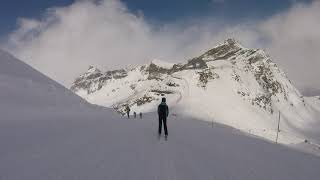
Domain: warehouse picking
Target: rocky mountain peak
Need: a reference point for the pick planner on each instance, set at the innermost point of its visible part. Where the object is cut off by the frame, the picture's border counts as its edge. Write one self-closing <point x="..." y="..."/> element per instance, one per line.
<point x="222" y="51"/>
<point x="257" y="79"/>
<point x="91" y="73"/>
<point x="232" y="42"/>
<point x="155" y="68"/>
<point x="161" y="64"/>
<point x="93" y="69"/>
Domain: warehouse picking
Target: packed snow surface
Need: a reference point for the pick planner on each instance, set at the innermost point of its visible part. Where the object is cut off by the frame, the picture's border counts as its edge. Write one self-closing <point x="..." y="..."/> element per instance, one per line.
<point x="99" y="145"/>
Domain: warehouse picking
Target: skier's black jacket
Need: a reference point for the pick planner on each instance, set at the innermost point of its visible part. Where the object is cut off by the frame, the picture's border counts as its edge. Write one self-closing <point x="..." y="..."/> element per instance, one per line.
<point x="163" y="110"/>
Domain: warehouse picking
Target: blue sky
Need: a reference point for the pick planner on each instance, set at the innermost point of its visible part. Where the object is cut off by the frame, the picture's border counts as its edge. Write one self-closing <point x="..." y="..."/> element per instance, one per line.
<point x="10" y="10"/>
<point x="156" y="11"/>
<point x="168" y="10"/>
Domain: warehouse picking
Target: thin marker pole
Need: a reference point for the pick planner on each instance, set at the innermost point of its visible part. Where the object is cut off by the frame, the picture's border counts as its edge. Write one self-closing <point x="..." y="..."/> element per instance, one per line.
<point x="278" y="128"/>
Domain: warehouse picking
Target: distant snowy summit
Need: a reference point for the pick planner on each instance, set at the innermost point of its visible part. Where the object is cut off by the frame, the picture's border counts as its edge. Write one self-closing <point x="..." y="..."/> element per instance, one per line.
<point x="229" y="84"/>
<point x="255" y="78"/>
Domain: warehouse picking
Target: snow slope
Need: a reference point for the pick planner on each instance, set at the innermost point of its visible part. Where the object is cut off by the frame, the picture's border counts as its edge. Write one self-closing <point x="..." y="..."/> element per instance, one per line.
<point x="229" y="84"/>
<point x="100" y="146"/>
<point x="23" y="86"/>
<point x="70" y="139"/>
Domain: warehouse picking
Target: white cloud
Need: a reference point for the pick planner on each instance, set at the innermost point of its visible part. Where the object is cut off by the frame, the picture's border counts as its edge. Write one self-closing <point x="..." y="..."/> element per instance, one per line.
<point x="105" y="34"/>
<point x="295" y="43"/>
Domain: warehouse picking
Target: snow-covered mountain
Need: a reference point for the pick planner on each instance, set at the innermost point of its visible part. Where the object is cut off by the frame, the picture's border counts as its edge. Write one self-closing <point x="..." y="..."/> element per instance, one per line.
<point x="229" y="84"/>
<point x="47" y="132"/>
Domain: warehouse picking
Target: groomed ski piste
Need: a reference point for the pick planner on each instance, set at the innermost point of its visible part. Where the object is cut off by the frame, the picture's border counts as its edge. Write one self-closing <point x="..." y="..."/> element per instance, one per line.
<point x="47" y="132"/>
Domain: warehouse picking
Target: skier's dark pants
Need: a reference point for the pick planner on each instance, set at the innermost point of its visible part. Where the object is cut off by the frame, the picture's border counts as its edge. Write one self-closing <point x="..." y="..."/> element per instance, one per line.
<point x="163" y="119"/>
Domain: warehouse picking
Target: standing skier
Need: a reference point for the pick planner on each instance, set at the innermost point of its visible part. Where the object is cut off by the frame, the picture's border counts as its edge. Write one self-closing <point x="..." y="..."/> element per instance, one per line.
<point x="128" y="111"/>
<point x="134" y="114"/>
<point x="163" y="112"/>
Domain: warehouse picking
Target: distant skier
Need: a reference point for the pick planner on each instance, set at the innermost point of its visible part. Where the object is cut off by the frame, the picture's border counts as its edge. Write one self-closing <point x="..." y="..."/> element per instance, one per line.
<point x="134" y="114"/>
<point x="163" y="112"/>
<point x="140" y="115"/>
<point x="128" y="111"/>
